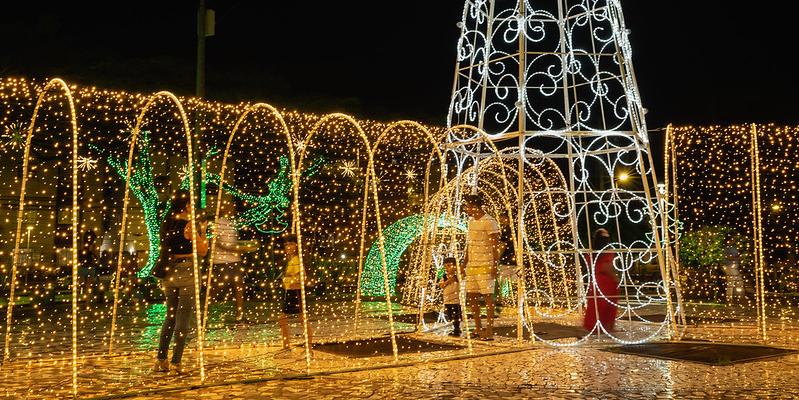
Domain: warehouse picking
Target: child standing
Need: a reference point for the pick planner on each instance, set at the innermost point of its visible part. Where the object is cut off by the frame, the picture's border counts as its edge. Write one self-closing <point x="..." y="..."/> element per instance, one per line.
<point x="451" y="286"/>
<point x="292" y="304"/>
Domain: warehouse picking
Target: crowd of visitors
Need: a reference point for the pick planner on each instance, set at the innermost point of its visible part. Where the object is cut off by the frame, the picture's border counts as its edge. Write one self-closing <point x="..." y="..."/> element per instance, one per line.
<point x="489" y="251"/>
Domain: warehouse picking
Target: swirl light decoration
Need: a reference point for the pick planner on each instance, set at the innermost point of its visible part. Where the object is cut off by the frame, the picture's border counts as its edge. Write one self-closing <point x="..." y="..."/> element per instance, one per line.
<point x="553" y="80"/>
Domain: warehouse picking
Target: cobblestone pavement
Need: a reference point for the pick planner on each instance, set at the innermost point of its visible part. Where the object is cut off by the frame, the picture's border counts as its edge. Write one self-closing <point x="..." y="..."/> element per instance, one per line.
<point x="42" y="368"/>
<point x="539" y="373"/>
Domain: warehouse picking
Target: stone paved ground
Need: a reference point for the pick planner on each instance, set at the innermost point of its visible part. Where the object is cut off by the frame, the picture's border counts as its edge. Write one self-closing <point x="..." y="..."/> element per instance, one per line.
<point x="42" y="369"/>
<point x="545" y="373"/>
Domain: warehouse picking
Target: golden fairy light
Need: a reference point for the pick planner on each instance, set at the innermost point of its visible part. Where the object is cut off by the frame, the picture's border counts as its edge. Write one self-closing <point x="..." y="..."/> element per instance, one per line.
<point x="723" y="181"/>
<point x="119" y="121"/>
<point x="344" y="186"/>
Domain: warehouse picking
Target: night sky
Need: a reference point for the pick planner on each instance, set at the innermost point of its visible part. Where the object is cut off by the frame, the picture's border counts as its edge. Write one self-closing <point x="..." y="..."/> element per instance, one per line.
<point x="697" y="61"/>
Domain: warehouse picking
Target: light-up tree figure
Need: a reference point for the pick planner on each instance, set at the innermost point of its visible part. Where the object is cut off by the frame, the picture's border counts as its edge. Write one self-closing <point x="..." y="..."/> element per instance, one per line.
<point x="552" y="81"/>
<point x="142" y="185"/>
<point x="267" y="213"/>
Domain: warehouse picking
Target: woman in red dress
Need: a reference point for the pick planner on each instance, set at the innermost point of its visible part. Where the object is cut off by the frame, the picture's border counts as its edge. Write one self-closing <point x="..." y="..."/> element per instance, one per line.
<point x="604" y="285"/>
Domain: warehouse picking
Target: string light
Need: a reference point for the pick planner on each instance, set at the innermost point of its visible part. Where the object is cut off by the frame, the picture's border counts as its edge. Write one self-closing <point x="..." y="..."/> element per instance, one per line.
<point x="314" y="175"/>
<point x="261" y="180"/>
<point x="399" y="236"/>
<point x="722" y="183"/>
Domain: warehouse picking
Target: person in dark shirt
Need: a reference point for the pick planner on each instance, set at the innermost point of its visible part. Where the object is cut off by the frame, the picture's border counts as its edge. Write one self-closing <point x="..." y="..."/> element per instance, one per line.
<point x="178" y="283"/>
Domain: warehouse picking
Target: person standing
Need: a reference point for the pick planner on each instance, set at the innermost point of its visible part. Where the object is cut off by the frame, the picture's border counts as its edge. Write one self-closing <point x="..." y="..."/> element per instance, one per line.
<point x="87" y="265"/>
<point x="292" y="302"/>
<point x="604" y="288"/>
<point x="450" y="284"/>
<point x="227" y="258"/>
<point x="481" y="263"/>
<point x="178" y="282"/>
<point x="735" y="283"/>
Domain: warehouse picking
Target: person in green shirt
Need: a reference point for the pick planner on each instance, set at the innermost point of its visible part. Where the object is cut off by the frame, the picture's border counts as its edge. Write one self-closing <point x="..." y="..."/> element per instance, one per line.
<point x="292" y="303"/>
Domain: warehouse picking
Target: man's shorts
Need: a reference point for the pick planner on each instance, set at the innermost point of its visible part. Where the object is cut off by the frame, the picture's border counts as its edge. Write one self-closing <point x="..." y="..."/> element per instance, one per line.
<point x="291" y="303"/>
<point x="483" y="284"/>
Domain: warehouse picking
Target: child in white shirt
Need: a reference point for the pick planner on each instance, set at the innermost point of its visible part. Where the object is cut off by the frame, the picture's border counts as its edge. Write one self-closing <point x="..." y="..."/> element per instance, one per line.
<point x="451" y="286"/>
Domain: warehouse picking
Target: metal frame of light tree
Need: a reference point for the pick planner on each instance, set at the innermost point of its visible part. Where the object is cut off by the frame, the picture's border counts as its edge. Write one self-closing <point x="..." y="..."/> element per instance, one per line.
<point x="504" y="86"/>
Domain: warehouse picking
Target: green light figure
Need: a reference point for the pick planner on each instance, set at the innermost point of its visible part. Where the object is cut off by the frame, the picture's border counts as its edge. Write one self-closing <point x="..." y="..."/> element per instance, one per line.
<point x="266" y="211"/>
<point x="142" y="185"/>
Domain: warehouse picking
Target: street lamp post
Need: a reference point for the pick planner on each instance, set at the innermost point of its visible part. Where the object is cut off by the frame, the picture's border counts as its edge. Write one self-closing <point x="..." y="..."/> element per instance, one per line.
<point x="205" y="28"/>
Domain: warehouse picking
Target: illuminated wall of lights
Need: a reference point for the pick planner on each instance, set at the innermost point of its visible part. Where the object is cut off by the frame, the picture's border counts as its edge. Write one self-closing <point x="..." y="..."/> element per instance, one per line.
<point x="712" y="182"/>
<point x="338" y="157"/>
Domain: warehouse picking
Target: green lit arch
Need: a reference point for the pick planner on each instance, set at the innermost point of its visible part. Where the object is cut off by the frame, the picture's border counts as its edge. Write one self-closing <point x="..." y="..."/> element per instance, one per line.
<point x="398" y="237"/>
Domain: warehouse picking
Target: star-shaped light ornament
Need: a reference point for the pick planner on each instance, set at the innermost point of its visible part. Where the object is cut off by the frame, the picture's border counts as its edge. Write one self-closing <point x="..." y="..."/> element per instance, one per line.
<point x="86" y="163"/>
<point x="410" y="174"/>
<point x="14" y="136"/>
<point x="348" y="169"/>
<point x="130" y="131"/>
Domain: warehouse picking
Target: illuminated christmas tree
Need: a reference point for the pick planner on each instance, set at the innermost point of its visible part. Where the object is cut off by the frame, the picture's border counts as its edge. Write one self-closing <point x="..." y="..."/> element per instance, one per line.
<point x="551" y="84"/>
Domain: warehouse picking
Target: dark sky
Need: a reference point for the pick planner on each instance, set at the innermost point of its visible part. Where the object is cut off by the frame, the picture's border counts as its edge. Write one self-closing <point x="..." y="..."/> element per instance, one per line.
<point x="697" y="61"/>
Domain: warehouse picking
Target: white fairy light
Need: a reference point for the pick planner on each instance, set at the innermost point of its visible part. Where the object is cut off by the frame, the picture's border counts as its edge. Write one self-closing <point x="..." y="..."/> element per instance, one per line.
<point x="347" y="168"/>
<point x="86" y="163"/>
<point x="522" y="71"/>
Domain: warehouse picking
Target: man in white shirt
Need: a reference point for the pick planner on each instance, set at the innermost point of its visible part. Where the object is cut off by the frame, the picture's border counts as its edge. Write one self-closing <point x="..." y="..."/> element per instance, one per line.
<point x="481" y="262"/>
<point x="227" y="261"/>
